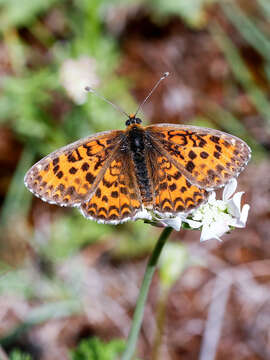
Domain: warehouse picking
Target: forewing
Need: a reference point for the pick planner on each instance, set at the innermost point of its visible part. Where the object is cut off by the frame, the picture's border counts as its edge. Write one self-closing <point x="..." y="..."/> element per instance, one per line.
<point x="173" y="192"/>
<point x="207" y="158"/>
<point x="117" y="197"/>
<point x="70" y="175"/>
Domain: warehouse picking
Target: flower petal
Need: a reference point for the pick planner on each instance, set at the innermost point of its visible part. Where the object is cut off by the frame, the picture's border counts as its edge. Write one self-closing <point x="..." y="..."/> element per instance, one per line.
<point x="175" y="222"/>
<point x="241" y="222"/>
<point x="229" y="189"/>
<point x="212" y="198"/>
<point x="193" y="223"/>
<point x="207" y="234"/>
<point x="234" y="204"/>
<point x="244" y="214"/>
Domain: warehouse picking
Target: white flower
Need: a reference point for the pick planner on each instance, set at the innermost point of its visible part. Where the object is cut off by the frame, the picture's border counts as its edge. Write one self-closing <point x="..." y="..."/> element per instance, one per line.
<point x="217" y="217"/>
<point x="75" y="75"/>
<point x="214" y="218"/>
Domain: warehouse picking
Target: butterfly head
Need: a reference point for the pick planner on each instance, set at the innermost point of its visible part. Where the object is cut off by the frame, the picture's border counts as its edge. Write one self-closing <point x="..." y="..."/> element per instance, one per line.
<point x="132" y="119"/>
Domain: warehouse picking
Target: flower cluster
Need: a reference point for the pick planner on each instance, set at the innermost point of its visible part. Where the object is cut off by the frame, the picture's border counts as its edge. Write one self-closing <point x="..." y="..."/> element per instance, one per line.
<point x="214" y="218"/>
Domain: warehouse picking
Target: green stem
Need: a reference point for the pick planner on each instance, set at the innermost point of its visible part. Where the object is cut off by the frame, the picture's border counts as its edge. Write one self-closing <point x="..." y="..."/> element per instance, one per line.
<point x="138" y="315"/>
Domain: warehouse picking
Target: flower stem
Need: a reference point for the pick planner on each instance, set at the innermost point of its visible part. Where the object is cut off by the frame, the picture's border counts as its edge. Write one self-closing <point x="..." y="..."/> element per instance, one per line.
<point x="138" y="315"/>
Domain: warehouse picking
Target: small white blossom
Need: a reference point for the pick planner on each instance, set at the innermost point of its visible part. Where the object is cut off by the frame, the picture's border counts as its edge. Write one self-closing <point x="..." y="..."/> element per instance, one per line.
<point x="214" y="218"/>
<point x="75" y="75"/>
<point x="217" y="217"/>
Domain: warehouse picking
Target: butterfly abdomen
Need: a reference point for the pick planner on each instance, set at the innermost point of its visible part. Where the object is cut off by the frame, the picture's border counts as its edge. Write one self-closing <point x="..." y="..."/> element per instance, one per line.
<point x="136" y="139"/>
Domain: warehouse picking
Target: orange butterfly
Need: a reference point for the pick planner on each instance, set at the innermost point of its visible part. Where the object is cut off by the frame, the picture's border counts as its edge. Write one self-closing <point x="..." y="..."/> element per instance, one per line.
<point x="120" y="175"/>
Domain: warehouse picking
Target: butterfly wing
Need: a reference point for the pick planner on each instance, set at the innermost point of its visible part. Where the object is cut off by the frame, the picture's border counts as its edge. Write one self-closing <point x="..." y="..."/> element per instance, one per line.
<point x="173" y="192"/>
<point x="70" y="175"/>
<point x="117" y="198"/>
<point x="207" y="158"/>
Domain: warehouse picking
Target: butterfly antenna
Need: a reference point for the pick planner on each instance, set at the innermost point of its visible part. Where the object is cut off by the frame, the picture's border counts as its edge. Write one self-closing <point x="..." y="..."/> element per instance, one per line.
<point x="151" y="92"/>
<point x="117" y="107"/>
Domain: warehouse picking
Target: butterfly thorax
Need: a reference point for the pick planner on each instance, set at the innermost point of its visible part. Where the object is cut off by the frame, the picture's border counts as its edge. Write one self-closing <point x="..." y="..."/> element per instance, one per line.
<point x="137" y="146"/>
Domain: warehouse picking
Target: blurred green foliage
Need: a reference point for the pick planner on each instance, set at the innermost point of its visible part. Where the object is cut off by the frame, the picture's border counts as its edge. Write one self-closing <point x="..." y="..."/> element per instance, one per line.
<point x="193" y="12"/>
<point x="96" y="349"/>
<point x="22" y="13"/>
<point x="18" y="355"/>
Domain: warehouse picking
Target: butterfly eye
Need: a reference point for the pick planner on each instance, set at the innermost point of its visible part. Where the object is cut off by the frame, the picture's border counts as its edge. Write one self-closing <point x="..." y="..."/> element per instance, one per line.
<point x="138" y="121"/>
<point x="128" y="122"/>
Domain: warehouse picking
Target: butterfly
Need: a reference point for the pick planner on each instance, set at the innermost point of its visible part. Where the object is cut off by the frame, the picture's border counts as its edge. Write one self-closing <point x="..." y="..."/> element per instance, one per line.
<point x="120" y="175"/>
<point x="114" y="176"/>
